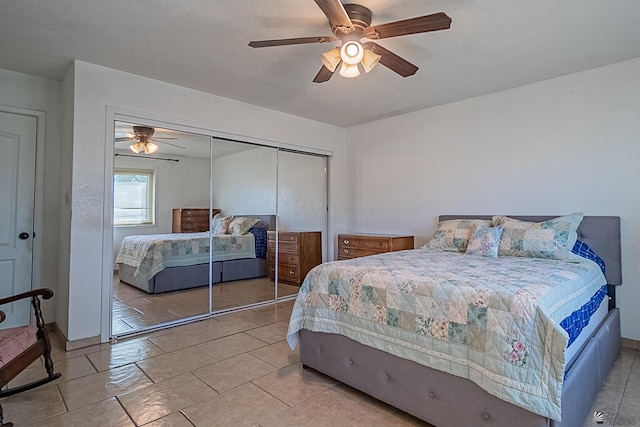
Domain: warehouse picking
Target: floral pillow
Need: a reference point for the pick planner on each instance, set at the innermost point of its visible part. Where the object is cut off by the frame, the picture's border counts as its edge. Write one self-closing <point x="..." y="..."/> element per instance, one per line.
<point x="548" y="239"/>
<point x="484" y="240"/>
<point x="454" y="234"/>
<point x="242" y="224"/>
<point x="220" y="224"/>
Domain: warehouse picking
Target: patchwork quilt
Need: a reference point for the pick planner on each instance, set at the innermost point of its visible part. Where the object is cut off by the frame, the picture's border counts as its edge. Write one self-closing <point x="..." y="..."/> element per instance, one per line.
<point x="151" y="254"/>
<point x="495" y="321"/>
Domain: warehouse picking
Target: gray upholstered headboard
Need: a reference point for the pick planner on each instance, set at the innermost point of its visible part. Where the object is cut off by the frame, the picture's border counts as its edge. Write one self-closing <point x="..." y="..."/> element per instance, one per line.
<point x="601" y="233"/>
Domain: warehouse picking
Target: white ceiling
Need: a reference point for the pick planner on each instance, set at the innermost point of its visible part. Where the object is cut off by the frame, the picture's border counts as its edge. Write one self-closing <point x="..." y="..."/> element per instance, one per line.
<point x="202" y="44"/>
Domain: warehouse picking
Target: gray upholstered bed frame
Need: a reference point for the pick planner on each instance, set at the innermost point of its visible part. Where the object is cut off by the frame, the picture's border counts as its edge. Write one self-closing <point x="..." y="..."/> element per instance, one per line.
<point x="192" y="276"/>
<point x="446" y="400"/>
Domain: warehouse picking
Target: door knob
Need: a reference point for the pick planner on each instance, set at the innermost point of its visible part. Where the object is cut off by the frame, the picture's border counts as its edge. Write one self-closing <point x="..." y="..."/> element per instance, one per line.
<point x="23" y="236"/>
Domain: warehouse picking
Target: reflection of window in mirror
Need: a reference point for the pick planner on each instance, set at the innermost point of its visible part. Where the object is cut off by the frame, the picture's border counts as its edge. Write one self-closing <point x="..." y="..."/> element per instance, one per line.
<point x="133" y="197"/>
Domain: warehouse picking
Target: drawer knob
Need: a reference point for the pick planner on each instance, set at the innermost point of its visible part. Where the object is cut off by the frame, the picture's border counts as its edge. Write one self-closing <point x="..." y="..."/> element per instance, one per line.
<point x="291" y="272"/>
<point x="346" y="251"/>
<point x="346" y="241"/>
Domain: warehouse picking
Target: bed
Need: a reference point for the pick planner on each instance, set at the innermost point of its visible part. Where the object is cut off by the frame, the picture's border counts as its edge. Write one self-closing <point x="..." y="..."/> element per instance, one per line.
<point x="170" y="262"/>
<point x="459" y="391"/>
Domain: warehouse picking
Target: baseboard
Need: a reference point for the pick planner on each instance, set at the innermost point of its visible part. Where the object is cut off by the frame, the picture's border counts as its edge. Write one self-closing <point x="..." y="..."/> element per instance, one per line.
<point x="71" y="345"/>
<point x="632" y="344"/>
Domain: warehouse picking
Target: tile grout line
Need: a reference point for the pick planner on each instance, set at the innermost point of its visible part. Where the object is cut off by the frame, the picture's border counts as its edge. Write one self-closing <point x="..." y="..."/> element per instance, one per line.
<point x="626" y="383"/>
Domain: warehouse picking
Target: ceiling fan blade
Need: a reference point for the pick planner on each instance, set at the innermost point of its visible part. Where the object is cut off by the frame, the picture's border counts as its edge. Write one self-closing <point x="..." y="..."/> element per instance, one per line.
<point x="169" y="143"/>
<point x="284" y="42"/>
<point x="124" y="138"/>
<point x="421" y="24"/>
<point x="323" y="75"/>
<point x="392" y="61"/>
<point x="334" y="10"/>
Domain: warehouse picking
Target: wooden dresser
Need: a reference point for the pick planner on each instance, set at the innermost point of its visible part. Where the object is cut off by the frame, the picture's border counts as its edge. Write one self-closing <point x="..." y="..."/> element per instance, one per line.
<point x="191" y="220"/>
<point x="298" y="252"/>
<point x="357" y="245"/>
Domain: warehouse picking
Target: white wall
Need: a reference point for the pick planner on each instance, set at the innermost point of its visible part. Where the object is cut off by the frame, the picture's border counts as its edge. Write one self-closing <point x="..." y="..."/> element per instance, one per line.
<point x="37" y="94"/>
<point x="244" y="183"/>
<point x="302" y="192"/>
<point x="559" y="146"/>
<point x="96" y="88"/>
<point x="182" y="184"/>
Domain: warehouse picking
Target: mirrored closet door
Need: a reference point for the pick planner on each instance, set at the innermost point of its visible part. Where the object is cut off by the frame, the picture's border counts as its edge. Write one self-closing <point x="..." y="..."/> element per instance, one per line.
<point x="161" y="194"/>
<point x="203" y="225"/>
<point x="244" y="190"/>
<point x="302" y="219"/>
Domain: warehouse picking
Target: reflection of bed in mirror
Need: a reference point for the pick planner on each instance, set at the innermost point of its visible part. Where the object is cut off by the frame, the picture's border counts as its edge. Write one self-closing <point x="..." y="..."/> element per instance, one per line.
<point x="170" y="262"/>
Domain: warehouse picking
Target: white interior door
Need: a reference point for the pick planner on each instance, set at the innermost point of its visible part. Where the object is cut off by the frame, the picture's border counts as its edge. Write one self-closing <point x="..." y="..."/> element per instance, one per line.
<point x="17" y="187"/>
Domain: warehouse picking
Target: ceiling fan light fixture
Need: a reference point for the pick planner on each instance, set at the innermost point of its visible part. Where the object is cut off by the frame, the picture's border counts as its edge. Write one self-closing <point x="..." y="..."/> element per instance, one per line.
<point x="136" y="147"/>
<point x="150" y="148"/>
<point x="352" y="51"/>
<point x="331" y="59"/>
<point x="349" y="71"/>
<point x="369" y="60"/>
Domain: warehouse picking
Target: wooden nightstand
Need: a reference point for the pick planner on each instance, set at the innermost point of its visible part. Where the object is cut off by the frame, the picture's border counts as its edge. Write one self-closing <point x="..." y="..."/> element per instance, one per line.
<point x="357" y="245"/>
<point x="298" y="252"/>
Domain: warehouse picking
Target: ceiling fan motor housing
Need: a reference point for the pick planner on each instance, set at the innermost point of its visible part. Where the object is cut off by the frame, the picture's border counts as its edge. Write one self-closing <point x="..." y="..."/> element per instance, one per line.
<point x="143" y="133"/>
<point x="360" y="18"/>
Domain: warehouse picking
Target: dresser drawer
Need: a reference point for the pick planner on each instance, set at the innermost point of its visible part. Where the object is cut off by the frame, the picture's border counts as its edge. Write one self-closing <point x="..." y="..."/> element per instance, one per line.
<point x="284" y="246"/>
<point x="347" y="253"/>
<point x="287" y="274"/>
<point x="284" y="258"/>
<point x="358" y="245"/>
<point x="375" y="243"/>
<point x="283" y="237"/>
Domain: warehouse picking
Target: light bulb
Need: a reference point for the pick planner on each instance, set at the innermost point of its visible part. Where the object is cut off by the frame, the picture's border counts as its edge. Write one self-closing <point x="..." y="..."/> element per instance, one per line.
<point x="150" y="148"/>
<point x="349" y="71"/>
<point x="351" y="52"/>
<point x="136" y="147"/>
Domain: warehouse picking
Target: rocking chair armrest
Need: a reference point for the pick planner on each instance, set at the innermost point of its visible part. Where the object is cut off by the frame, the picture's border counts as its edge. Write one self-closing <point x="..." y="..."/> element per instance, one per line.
<point x="45" y="293"/>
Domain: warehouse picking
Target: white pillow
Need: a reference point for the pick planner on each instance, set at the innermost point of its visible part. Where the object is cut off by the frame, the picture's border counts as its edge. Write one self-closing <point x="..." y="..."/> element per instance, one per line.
<point x="242" y="224"/>
<point x="548" y="239"/>
<point x="220" y="224"/>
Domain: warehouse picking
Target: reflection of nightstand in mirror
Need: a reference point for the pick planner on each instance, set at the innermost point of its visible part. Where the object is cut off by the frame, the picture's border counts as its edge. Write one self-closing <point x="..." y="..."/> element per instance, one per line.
<point x="191" y="220"/>
<point x="357" y="245"/>
<point x="298" y="252"/>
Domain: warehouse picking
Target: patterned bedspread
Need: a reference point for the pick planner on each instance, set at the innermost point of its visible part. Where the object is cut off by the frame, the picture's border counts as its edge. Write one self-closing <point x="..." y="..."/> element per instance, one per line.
<point x="151" y="254"/>
<point x="493" y="321"/>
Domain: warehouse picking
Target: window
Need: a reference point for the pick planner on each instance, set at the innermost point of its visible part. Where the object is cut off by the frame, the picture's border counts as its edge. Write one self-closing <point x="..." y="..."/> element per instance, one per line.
<point x="133" y="197"/>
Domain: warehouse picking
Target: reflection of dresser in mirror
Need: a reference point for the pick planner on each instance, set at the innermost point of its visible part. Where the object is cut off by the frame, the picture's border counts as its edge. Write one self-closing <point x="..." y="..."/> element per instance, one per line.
<point x="191" y="220"/>
<point x="298" y="252"/>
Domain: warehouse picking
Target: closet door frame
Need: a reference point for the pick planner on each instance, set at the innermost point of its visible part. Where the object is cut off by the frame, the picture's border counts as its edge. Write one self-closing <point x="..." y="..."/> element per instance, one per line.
<point x="114" y="114"/>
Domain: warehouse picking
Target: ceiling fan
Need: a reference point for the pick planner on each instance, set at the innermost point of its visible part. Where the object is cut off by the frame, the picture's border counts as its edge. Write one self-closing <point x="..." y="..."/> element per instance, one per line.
<point x="350" y="23"/>
<point x="142" y="137"/>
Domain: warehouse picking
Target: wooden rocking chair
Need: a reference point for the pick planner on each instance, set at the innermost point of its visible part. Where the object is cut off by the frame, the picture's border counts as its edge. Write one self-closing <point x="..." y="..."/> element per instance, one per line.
<point x="21" y="346"/>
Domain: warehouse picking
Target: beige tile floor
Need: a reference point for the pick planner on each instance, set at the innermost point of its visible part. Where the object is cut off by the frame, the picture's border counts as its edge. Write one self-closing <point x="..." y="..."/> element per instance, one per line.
<point x="134" y="309"/>
<point x="232" y="370"/>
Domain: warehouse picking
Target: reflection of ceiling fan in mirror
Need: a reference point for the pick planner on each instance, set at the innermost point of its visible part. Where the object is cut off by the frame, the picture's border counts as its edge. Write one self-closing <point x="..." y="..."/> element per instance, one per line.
<point x="142" y="140"/>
